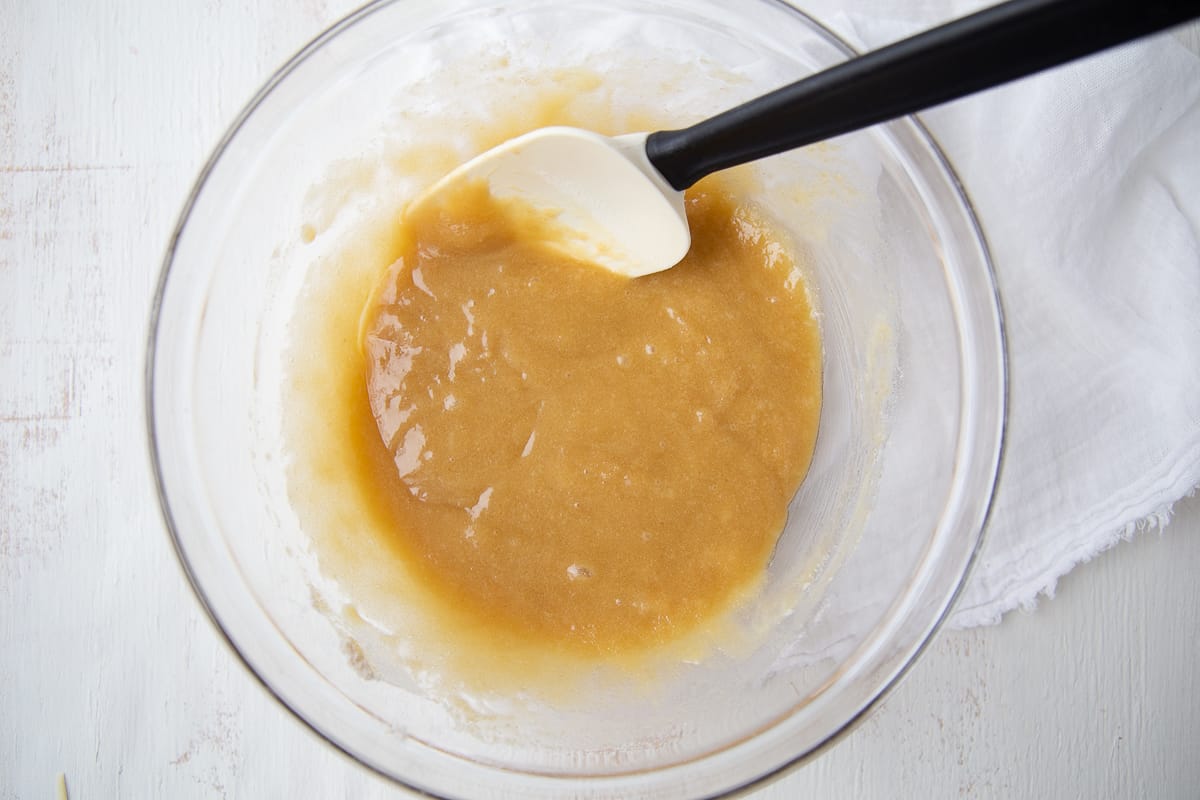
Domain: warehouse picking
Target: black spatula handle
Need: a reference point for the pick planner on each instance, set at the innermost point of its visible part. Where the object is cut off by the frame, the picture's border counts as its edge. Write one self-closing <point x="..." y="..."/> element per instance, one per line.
<point x="986" y="49"/>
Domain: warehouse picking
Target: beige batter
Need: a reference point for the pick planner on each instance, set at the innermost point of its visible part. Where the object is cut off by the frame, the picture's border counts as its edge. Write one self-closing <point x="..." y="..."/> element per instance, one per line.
<point x="596" y="462"/>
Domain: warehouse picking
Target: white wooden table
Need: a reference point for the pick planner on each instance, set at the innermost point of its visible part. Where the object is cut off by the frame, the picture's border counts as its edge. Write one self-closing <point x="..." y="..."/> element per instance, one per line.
<point x="111" y="673"/>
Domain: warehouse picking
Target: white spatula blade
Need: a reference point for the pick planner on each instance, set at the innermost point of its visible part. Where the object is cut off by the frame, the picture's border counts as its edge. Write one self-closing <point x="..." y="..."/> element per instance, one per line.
<point x="613" y="206"/>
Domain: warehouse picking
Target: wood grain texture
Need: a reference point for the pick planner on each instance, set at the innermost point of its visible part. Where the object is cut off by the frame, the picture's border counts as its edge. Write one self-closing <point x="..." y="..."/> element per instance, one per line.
<point x="112" y="674"/>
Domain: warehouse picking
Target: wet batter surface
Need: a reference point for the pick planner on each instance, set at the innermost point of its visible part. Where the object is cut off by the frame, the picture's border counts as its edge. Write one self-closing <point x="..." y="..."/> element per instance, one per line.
<point x="597" y="462"/>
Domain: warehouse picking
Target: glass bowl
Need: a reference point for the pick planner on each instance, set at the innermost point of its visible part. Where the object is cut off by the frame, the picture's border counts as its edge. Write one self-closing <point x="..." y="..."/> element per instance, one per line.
<point x="879" y="537"/>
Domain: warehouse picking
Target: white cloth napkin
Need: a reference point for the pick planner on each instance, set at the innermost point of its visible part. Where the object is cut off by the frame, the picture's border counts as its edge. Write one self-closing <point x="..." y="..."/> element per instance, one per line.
<point x="1087" y="183"/>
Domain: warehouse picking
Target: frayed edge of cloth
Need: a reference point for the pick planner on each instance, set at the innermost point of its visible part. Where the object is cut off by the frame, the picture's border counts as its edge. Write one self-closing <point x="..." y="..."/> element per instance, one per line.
<point x="1028" y="599"/>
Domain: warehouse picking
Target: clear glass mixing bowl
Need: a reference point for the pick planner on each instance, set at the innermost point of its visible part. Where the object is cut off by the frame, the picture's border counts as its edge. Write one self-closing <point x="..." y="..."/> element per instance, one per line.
<point x="879" y="537"/>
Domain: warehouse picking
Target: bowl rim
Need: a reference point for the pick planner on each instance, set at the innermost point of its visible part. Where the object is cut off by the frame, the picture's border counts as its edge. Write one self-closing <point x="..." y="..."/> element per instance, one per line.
<point x="152" y="438"/>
